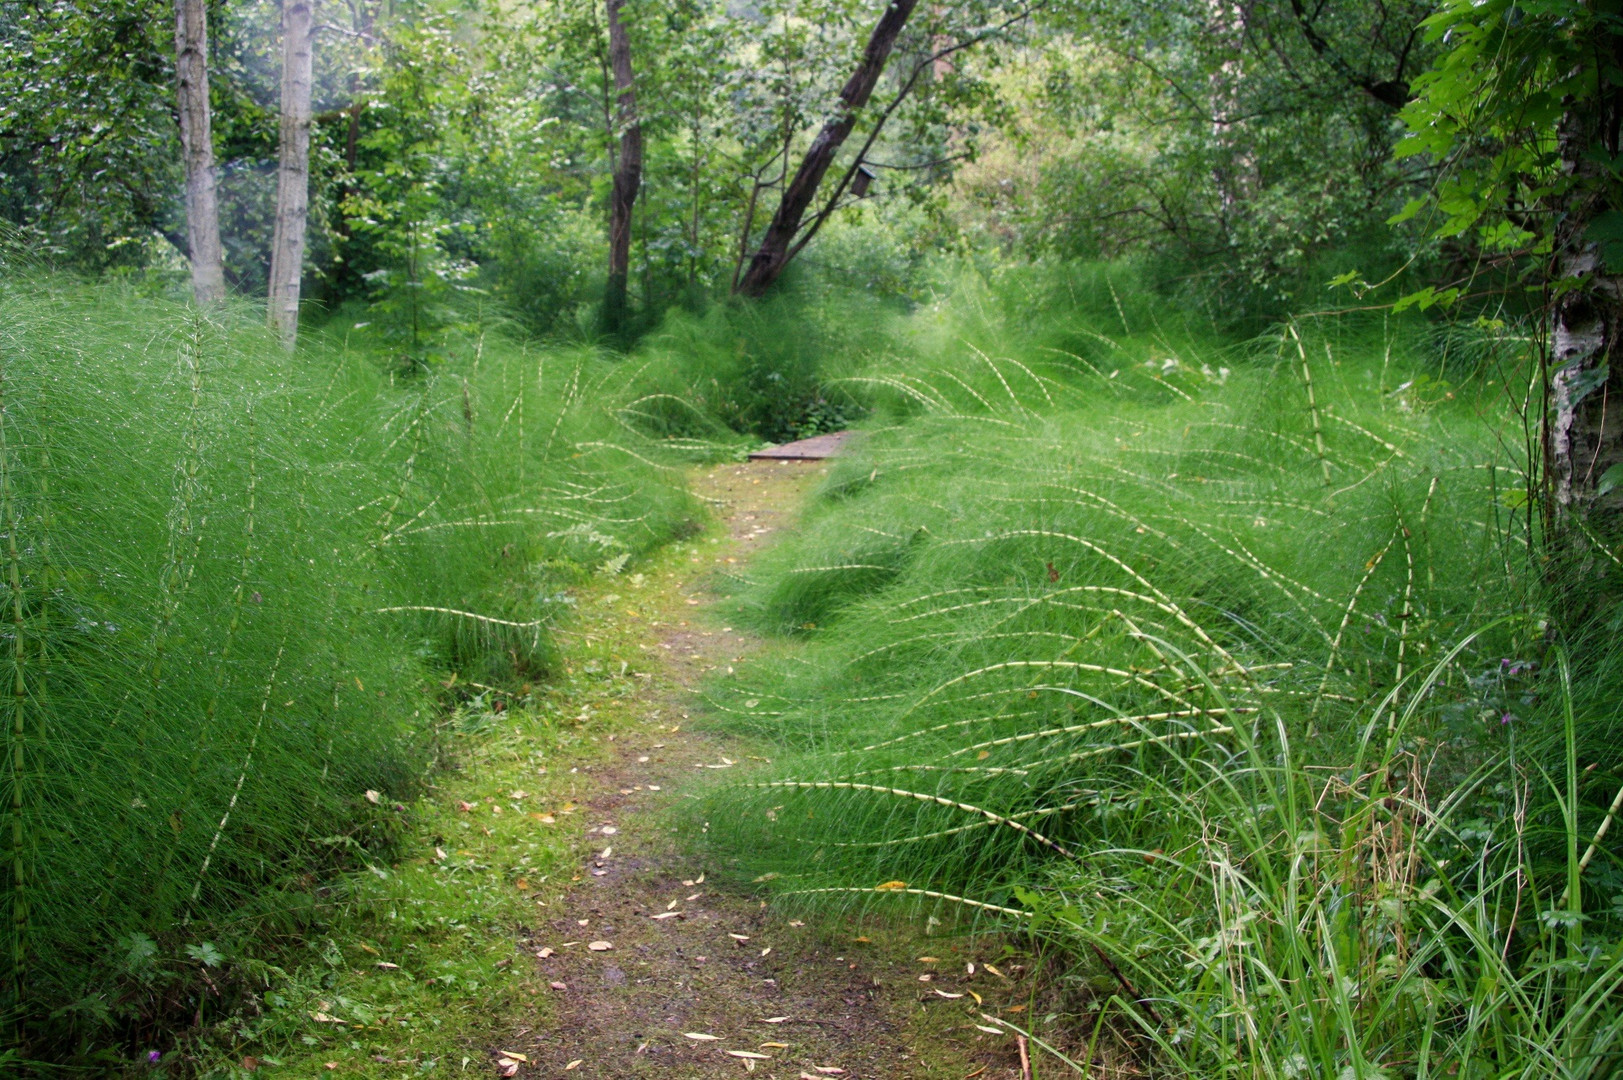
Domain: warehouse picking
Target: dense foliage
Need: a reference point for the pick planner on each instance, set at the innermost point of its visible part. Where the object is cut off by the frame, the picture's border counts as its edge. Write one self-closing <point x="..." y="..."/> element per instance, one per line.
<point x="462" y="152"/>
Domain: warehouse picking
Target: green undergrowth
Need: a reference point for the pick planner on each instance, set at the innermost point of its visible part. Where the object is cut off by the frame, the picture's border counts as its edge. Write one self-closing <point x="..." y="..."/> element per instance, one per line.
<point x="415" y="965"/>
<point x="1219" y="664"/>
<point x="235" y="583"/>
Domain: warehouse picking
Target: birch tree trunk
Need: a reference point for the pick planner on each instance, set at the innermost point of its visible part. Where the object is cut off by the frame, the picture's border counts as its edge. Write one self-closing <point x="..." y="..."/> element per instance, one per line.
<point x="627" y="172"/>
<point x="1584" y="439"/>
<point x="197" y="151"/>
<point x="293" y="170"/>
<point x="773" y="255"/>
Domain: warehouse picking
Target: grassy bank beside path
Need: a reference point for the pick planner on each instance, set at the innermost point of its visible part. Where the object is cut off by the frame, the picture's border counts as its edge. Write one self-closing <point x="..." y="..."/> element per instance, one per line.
<point x="554" y="833"/>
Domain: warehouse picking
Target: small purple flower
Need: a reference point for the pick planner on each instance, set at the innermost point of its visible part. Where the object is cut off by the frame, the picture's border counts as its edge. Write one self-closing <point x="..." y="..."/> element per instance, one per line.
<point x="153" y="1056"/>
<point x="1507" y="718"/>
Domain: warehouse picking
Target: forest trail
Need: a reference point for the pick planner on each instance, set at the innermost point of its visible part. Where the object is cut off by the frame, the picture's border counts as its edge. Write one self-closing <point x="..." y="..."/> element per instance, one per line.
<point x="763" y="992"/>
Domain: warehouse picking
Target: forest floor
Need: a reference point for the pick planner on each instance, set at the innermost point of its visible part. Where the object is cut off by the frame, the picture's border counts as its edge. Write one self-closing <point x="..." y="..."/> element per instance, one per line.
<point x="629" y="960"/>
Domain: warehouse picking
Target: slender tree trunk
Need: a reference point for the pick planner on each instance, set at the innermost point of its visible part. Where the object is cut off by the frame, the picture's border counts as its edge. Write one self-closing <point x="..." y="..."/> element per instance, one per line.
<point x="627" y="172"/>
<point x="774" y="254"/>
<point x="293" y="172"/>
<point x="197" y="150"/>
<point x="1584" y="440"/>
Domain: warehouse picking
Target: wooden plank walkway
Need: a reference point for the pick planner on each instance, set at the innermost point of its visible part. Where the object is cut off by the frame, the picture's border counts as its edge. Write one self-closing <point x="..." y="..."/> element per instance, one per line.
<point x="814" y="449"/>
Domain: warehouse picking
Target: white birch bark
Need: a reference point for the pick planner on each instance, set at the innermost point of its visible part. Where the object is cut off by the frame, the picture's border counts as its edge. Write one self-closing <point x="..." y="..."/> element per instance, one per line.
<point x="197" y="151"/>
<point x="293" y="170"/>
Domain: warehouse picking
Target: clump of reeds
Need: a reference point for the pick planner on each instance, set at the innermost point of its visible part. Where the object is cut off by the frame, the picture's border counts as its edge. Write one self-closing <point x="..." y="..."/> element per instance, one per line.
<point x="227" y="573"/>
<point x="1215" y="663"/>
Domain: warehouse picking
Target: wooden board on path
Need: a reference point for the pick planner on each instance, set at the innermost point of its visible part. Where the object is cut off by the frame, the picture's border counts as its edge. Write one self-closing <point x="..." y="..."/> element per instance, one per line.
<point x="814" y="449"/>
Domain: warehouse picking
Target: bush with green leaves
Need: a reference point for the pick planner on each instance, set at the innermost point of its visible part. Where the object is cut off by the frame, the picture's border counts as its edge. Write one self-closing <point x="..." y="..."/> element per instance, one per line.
<point x="228" y="570"/>
<point x="1218" y="664"/>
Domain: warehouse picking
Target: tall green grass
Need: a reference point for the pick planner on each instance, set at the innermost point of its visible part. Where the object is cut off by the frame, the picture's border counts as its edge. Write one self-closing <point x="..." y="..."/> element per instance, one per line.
<point x="228" y="572"/>
<point x="1220" y="664"/>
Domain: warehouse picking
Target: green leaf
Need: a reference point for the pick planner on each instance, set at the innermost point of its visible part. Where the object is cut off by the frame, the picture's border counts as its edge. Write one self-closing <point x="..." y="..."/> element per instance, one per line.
<point x="1606" y="233"/>
<point x="1609" y="480"/>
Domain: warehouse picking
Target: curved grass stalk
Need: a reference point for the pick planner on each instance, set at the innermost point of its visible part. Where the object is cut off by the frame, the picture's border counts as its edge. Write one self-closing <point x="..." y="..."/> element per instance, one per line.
<point x="921" y="796"/>
<point x="1312" y="404"/>
<point x="1281" y="436"/>
<point x="1073" y="729"/>
<point x="222" y="675"/>
<point x="1007" y="389"/>
<point x="1045" y="811"/>
<point x="1173" y="610"/>
<point x="1394" y="450"/>
<point x="1136" y="744"/>
<point x="930" y="893"/>
<point x="242" y="777"/>
<point x="1070" y="665"/>
<point x="938" y="728"/>
<point x="895" y="384"/>
<point x="1335" y="645"/>
<point x="970" y="390"/>
<point x="599" y="445"/>
<point x="462" y="614"/>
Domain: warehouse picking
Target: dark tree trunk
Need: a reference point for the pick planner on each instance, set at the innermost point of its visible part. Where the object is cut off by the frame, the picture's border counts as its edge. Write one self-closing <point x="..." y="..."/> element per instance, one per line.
<point x="776" y="248"/>
<point x="1584" y="440"/>
<point x="627" y="172"/>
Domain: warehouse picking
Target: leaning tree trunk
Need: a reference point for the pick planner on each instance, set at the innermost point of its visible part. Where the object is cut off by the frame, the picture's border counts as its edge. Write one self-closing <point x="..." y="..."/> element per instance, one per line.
<point x="627" y="172"/>
<point x="773" y="255"/>
<point x="197" y="150"/>
<point x="293" y="171"/>
<point x="1584" y="440"/>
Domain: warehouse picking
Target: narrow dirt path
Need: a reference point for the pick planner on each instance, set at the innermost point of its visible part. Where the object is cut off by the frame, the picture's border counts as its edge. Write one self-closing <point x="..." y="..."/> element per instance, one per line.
<point x="655" y="972"/>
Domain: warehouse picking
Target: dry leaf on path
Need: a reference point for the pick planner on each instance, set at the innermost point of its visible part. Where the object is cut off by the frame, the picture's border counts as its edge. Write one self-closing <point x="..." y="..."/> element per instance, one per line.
<point x="666" y="915"/>
<point x="574" y="1064"/>
<point x="546" y="952"/>
<point x="699" y="1036"/>
<point x="505" y="1067"/>
<point x="748" y="1054"/>
<point x="775" y="1020"/>
<point x="600" y="946"/>
<point x="511" y="1054"/>
<point x="558" y="985"/>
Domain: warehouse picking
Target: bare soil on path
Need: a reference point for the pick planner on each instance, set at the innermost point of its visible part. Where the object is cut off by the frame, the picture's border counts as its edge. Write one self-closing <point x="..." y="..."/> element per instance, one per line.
<point x="650" y="968"/>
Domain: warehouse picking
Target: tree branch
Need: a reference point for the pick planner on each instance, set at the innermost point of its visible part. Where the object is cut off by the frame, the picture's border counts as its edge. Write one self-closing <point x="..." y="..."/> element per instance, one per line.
<point x="1393" y="93"/>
